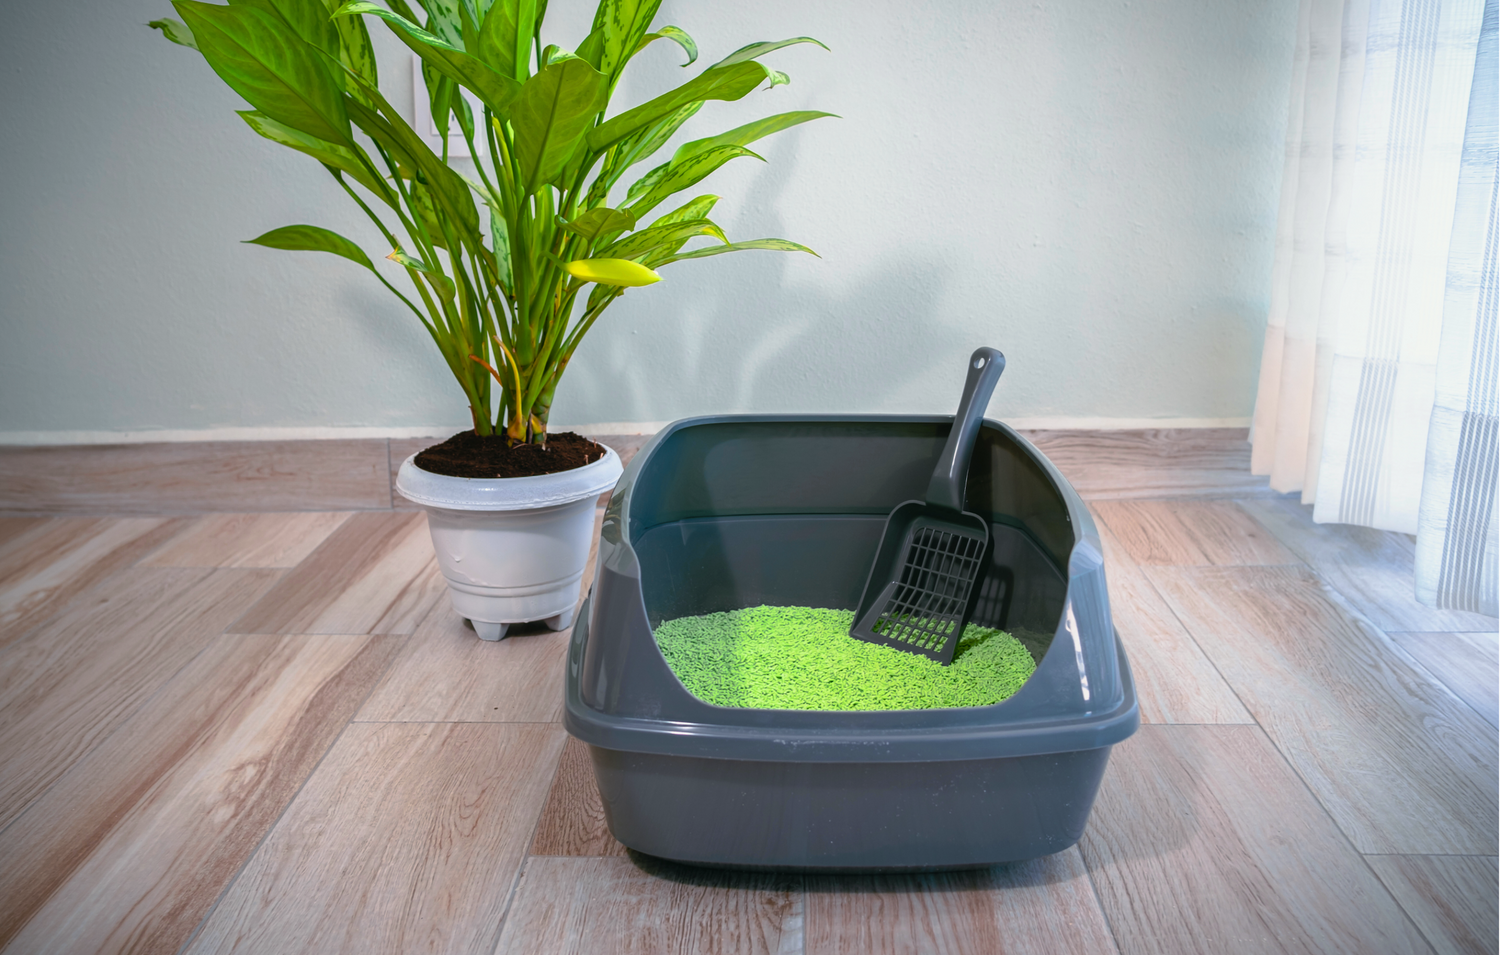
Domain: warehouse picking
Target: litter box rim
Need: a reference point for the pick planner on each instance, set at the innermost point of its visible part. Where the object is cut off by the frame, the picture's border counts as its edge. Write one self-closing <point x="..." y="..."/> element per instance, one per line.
<point x="941" y="743"/>
<point x="996" y="731"/>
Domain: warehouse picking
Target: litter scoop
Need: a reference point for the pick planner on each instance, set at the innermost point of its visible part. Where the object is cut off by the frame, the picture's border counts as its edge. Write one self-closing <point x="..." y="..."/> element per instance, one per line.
<point x="925" y="579"/>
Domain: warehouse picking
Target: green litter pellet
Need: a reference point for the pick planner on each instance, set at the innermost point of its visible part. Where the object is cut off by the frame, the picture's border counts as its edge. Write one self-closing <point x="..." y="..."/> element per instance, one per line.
<point x="801" y="658"/>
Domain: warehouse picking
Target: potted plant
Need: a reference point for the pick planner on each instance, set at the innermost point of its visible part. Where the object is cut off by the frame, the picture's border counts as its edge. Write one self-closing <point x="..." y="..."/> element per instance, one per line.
<point x="495" y="249"/>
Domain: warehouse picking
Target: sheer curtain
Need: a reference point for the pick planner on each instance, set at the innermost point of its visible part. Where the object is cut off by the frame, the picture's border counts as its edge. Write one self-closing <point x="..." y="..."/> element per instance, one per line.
<point x="1377" y="385"/>
<point x="1456" y="534"/>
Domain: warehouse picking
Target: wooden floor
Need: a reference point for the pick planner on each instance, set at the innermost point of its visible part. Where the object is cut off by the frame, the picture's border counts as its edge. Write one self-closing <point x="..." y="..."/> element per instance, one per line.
<point x="268" y="732"/>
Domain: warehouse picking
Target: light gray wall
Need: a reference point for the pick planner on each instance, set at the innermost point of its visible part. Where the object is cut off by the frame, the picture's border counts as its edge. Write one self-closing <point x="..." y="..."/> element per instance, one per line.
<point x="1089" y="187"/>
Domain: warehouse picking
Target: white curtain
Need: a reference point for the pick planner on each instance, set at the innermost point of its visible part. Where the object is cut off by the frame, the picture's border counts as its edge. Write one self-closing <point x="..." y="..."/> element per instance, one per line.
<point x="1375" y="265"/>
<point x="1456" y="534"/>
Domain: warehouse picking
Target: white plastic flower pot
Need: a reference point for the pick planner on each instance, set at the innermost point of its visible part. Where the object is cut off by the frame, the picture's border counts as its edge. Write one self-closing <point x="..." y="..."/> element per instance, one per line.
<point x="512" y="549"/>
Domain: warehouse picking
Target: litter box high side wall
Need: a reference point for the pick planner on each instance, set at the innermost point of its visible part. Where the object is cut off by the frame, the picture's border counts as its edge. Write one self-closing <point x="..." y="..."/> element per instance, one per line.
<point x="1091" y="188"/>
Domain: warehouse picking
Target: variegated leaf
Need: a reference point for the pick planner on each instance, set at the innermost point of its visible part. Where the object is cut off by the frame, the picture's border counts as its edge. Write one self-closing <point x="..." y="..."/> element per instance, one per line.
<point x="689" y="173"/>
<point x="774" y="245"/>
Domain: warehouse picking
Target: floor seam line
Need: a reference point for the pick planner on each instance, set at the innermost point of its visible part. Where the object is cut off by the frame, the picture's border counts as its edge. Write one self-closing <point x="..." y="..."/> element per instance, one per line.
<point x="291" y="801"/>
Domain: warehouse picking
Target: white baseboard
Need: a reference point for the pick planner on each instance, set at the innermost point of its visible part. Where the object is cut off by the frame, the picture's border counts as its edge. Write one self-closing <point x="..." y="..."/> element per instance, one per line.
<point x="54" y="438"/>
<point x="1063" y="423"/>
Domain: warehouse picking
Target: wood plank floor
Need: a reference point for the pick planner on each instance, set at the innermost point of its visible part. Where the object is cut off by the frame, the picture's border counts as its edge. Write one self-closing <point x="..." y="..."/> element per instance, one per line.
<point x="266" y="731"/>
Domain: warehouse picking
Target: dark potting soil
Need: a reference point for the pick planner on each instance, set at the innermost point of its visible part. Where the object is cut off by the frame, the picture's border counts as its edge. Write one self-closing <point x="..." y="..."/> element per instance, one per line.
<point x="468" y="455"/>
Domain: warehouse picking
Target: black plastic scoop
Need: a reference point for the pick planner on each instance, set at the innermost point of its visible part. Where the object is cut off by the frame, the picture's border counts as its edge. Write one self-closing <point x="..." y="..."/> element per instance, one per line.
<point x="925" y="579"/>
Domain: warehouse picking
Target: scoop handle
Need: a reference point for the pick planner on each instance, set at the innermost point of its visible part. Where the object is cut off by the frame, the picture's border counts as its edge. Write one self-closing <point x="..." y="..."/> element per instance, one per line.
<point x="952" y="473"/>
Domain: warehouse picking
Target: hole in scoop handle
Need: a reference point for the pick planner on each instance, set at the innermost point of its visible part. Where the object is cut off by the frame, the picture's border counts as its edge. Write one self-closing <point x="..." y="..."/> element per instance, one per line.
<point x="948" y="480"/>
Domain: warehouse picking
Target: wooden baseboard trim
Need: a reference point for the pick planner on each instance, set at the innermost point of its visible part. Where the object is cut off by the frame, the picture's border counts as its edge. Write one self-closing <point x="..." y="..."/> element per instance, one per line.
<point x="34" y="439"/>
<point x="186" y="477"/>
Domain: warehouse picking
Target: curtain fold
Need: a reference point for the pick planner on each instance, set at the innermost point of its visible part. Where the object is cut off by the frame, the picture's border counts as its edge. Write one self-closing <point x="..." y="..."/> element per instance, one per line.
<point x="1324" y="88"/>
<point x="1383" y="101"/>
<point x="1456" y="533"/>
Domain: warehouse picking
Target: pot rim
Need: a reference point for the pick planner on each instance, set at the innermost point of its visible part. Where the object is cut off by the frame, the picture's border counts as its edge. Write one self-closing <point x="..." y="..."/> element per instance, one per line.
<point x="507" y="494"/>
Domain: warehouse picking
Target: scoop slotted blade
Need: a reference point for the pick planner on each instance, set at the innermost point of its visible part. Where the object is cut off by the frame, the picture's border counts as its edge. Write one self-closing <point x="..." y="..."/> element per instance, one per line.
<point x="925" y="578"/>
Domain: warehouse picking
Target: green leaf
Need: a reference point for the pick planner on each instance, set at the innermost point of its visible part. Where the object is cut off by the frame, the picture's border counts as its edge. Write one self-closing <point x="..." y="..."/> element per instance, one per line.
<point x="646" y="183"/>
<point x="698" y="208"/>
<point x="263" y="60"/>
<point x="746" y="134"/>
<point x="400" y="6"/>
<point x="440" y="283"/>
<point x="635" y="148"/>
<point x="751" y="51"/>
<point x="309" y="21"/>
<point x="440" y="95"/>
<point x="174" y="30"/>
<point x="602" y="295"/>
<point x="620" y="24"/>
<point x="689" y="173"/>
<point x="499" y="231"/>
<point x="443" y="20"/>
<point x="388" y="128"/>
<point x="458" y="207"/>
<point x="551" y="116"/>
<point x="670" y="235"/>
<point x="675" y="34"/>
<point x="727" y="83"/>
<point x="505" y="37"/>
<point x="445" y="101"/>
<point x="597" y="222"/>
<point x="426" y="211"/>
<point x="462" y="112"/>
<point x="775" y="245"/>
<point x="500" y="236"/>
<point x="355" y="49"/>
<point x="329" y="154"/>
<point x="638" y="146"/>
<point x="468" y="28"/>
<point x="495" y="90"/>
<point x="591" y="50"/>
<point x="310" y="238"/>
<point x="490" y="198"/>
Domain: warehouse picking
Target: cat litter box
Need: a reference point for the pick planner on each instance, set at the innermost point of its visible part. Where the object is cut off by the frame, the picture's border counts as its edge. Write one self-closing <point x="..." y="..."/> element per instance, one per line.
<point x="731" y="512"/>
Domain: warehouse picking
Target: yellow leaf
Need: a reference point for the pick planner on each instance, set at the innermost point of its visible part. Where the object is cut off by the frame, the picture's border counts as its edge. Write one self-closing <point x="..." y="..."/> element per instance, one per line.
<point x="621" y="272"/>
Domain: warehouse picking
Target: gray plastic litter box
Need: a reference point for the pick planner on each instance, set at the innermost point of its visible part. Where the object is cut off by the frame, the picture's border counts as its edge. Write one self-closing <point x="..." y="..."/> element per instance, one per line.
<point x="723" y="513"/>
